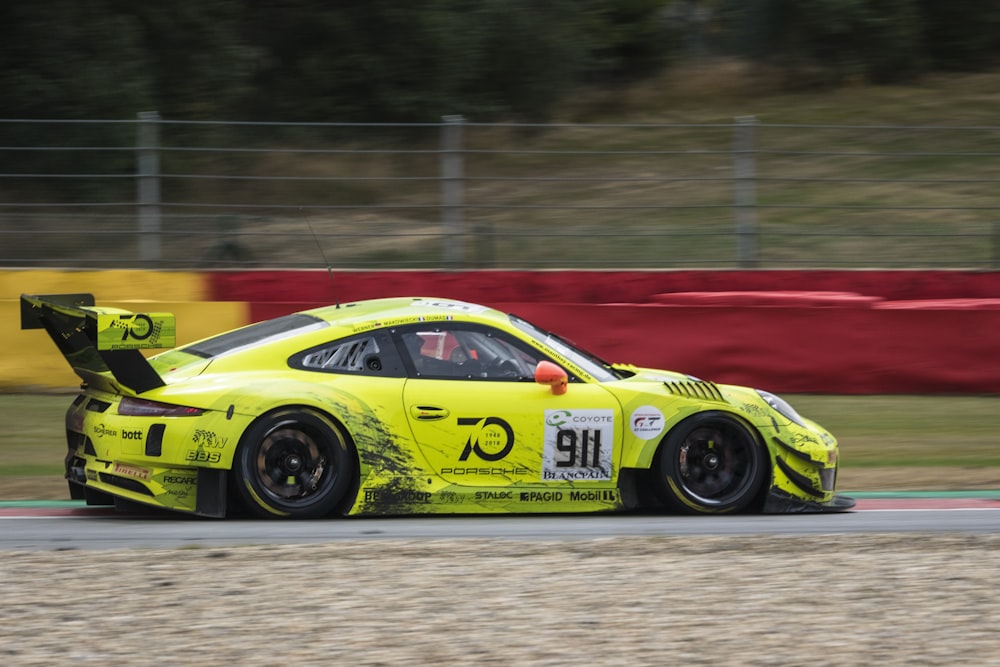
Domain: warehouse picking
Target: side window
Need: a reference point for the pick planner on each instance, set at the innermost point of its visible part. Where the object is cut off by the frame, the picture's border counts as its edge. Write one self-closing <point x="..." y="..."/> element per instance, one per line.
<point x="467" y="352"/>
<point x="369" y="354"/>
<point x="349" y="356"/>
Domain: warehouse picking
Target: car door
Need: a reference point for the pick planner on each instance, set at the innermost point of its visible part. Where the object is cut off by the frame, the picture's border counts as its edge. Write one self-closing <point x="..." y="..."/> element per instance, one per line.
<point x="480" y="420"/>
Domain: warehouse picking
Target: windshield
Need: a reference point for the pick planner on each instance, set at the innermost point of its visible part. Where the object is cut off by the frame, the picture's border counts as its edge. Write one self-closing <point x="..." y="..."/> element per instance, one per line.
<point x="591" y="363"/>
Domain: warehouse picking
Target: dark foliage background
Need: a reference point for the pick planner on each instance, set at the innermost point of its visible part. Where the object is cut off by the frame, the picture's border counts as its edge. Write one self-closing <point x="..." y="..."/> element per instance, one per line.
<point x="390" y="61"/>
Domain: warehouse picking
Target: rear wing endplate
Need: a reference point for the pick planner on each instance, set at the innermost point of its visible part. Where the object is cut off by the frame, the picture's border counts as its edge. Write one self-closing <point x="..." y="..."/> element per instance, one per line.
<point x="100" y="339"/>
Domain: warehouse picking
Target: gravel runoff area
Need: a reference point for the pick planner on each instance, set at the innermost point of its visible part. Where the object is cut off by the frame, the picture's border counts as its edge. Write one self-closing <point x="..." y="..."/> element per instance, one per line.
<point x="785" y="600"/>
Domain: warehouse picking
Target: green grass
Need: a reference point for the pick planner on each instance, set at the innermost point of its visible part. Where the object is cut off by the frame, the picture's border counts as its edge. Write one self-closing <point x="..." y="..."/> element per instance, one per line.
<point x="874" y="431"/>
<point x="33" y="440"/>
<point x="923" y="431"/>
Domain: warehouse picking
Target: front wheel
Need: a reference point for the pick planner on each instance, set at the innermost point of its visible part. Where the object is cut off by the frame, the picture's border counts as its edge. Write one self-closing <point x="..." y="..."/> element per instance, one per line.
<point x="710" y="464"/>
<point x="293" y="463"/>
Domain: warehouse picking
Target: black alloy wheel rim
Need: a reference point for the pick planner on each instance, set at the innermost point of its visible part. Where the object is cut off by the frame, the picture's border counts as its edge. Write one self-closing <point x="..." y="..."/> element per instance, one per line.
<point x="293" y="465"/>
<point x="715" y="465"/>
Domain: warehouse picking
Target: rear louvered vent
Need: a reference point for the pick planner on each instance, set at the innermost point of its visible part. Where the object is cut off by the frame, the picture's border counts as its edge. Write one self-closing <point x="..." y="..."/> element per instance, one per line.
<point x="704" y="390"/>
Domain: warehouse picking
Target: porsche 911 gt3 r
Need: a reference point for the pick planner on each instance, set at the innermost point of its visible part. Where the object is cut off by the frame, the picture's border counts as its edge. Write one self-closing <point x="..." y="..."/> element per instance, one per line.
<point x="407" y="406"/>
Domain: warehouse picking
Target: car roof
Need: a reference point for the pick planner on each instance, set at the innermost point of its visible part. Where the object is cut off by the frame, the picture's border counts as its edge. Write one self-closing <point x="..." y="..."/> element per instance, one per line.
<point x="376" y="313"/>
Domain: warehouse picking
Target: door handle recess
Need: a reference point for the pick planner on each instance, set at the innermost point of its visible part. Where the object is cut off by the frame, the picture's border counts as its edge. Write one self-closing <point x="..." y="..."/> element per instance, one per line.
<point x="428" y="413"/>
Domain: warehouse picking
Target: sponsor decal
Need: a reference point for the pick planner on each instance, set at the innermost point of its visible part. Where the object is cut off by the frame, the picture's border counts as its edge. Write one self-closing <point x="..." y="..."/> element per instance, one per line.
<point x="179" y="479"/>
<point x="131" y="471"/>
<point x="138" y="326"/>
<point x="135" y="331"/>
<point x="450" y="498"/>
<point x="397" y="496"/>
<point x="755" y="410"/>
<point x="800" y="439"/>
<point x="101" y="430"/>
<point x="541" y="496"/>
<point x="647" y="422"/>
<point x="132" y="435"/>
<point x="494" y="495"/>
<point x="201" y="456"/>
<point x="594" y="495"/>
<point x="378" y="324"/>
<point x="578" y="444"/>
<point x="491" y="440"/>
<point x="453" y="305"/>
<point x="504" y="472"/>
<point x="209" y="439"/>
<point x="399" y="321"/>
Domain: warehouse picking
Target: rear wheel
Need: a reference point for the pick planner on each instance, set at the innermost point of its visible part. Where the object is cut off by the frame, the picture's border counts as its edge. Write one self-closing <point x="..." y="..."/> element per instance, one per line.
<point x="710" y="463"/>
<point x="293" y="463"/>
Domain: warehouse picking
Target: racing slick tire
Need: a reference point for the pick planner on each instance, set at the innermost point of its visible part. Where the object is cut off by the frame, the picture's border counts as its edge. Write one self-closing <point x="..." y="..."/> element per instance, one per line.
<point x="710" y="463"/>
<point x="293" y="463"/>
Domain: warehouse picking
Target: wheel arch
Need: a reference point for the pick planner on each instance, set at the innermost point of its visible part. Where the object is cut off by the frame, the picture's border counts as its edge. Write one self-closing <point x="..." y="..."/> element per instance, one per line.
<point x="322" y="411"/>
<point x="760" y="496"/>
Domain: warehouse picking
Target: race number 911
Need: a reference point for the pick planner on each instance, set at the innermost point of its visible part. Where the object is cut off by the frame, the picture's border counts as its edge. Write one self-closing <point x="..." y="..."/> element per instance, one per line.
<point x="578" y="444"/>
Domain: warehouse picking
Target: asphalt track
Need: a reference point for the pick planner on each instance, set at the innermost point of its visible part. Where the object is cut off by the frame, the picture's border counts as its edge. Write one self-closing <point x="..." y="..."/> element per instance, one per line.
<point x="40" y="526"/>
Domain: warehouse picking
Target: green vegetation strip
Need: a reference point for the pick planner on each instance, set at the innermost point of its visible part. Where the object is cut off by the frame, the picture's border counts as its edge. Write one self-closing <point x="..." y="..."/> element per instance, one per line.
<point x="943" y="437"/>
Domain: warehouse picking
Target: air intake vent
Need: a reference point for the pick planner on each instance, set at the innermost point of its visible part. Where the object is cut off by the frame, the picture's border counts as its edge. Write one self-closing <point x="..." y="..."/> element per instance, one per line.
<point x="706" y="391"/>
<point x="125" y="483"/>
<point x="97" y="406"/>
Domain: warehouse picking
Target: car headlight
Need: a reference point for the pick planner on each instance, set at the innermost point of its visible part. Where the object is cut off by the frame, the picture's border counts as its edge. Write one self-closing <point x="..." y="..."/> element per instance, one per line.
<point x="782" y="407"/>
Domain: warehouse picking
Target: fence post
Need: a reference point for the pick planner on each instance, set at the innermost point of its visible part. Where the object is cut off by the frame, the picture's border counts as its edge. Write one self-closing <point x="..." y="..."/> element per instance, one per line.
<point x="745" y="191"/>
<point x="453" y="246"/>
<point x="995" y="258"/>
<point x="148" y="187"/>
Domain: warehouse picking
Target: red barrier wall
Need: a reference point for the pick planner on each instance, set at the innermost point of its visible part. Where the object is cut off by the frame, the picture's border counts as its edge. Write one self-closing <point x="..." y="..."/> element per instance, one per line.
<point x="589" y="286"/>
<point x="849" y="332"/>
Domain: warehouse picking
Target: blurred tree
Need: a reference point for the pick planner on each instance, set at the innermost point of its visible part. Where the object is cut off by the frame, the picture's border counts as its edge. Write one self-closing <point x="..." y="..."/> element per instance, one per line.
<point x="632" y="39"/>
<point x="386" y="60"/>
<point x="71" y="58"/>
<point x="200" y="64"/>
<point x="961" y="34"/>
<point x="823" y="42"/>
<point x="382" y="60"/>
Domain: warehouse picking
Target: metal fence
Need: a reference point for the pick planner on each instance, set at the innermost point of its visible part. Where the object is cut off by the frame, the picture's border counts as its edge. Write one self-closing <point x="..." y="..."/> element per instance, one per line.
<point x="156" y="193"/>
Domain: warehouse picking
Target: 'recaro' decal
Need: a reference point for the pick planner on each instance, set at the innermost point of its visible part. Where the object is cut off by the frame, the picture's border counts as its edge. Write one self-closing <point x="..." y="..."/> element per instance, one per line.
<point x="578" y="444"/>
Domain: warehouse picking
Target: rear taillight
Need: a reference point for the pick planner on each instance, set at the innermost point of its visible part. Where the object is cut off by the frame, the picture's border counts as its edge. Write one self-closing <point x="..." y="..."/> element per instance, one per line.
<point x="138" y="407"/>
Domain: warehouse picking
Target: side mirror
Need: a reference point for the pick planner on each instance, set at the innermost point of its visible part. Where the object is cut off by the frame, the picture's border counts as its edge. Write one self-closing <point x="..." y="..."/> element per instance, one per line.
<point x="548" y="373"/>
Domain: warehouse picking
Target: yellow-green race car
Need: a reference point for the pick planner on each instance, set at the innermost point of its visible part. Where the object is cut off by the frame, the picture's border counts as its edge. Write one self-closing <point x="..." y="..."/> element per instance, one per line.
<point x="411" y="406"/>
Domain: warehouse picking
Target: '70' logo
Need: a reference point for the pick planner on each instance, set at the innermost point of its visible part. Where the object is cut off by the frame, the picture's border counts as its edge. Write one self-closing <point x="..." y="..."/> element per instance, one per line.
<point x="491" y="441"/>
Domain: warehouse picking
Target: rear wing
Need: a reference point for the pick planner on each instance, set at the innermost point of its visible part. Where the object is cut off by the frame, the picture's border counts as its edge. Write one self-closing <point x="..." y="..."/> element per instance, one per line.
<point x="100" y="339"/>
